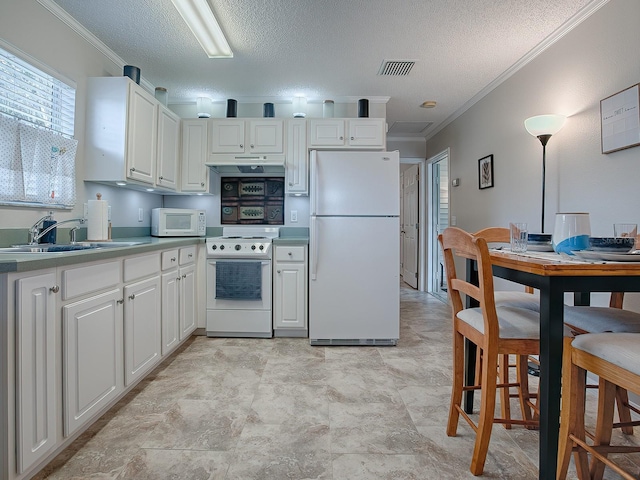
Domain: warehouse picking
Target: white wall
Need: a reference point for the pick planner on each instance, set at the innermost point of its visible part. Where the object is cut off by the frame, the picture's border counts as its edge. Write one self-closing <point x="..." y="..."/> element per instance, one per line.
<point x="596" y="59"/>
<point x="593" y="61"/>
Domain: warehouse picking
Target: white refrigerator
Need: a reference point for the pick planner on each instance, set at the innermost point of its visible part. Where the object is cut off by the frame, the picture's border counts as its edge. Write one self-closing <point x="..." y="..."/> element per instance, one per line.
<point x="354" y="248"/>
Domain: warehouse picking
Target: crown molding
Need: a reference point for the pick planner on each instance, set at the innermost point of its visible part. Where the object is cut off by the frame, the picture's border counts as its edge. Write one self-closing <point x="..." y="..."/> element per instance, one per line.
<point x="559" y="33"/>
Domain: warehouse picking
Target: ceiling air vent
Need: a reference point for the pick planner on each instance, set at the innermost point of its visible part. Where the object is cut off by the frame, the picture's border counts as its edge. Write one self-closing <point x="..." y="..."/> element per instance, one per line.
<point x="396" y="67"/>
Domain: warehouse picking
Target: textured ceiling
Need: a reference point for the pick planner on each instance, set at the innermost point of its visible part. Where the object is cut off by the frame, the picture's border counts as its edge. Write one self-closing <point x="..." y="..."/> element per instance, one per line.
<point x="331" y="48"/>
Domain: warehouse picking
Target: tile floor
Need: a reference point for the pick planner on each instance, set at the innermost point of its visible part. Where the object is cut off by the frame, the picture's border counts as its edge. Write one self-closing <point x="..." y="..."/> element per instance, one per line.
<point x="281" y="409"/>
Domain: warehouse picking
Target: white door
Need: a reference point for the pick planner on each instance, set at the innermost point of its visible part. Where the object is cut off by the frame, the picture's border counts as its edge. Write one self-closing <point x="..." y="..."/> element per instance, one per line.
<point x="439" y="218"/>
<point x="410" y="226"/>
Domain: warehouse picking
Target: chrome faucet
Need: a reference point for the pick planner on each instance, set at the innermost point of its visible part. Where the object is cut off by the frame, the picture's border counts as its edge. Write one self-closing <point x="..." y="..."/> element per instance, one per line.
<point x="33" y="231"/>
<point x="34" y="236"/>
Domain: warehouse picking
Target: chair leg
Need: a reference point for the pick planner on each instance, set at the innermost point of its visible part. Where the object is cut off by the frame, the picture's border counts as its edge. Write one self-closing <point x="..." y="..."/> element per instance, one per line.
<point x="505" y="400"/>
<point x="522" y="369"/>
<point x="572" y="415"/>
<point x="458" y="383"/>
<point x="624" y="413"/>
<point x="487" y="411"/>
<point x="604" y="424"/>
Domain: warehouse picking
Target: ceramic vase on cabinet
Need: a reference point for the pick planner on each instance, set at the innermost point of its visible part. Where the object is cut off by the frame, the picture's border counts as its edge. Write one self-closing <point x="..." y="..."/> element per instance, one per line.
<point x="571" y="232"/>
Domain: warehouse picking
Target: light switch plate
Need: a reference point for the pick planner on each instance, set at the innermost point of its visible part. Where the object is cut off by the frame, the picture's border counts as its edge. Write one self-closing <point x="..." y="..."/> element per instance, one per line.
<point x="294" y="216"/>
<point x="140" y="214"/>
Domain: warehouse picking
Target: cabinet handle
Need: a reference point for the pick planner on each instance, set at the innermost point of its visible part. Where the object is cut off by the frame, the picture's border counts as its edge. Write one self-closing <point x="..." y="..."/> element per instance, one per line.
<point x="54" y="289"/>
<point x="278" y="271"/>
<point x="132" y="296"/>
<point x="161" y="177"/>
<point x="352" y="138"/>
<point x="290" y="253"/>
<point x="291" y="184"/>
<point x="241" y="145"/>
<point x="132" y="169"/>
<point x="202" y="184"/>
<point x="341" y="138"/>
<point x="173" y="259"/>
<point x="120" y="302"/>
<point x="178" y="279"/>
<point x="190" y="255"/>
<point x="251" y="145"/>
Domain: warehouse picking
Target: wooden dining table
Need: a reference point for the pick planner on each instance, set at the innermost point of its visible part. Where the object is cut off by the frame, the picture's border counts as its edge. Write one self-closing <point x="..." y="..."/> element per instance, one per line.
<point x="553" y="275"/>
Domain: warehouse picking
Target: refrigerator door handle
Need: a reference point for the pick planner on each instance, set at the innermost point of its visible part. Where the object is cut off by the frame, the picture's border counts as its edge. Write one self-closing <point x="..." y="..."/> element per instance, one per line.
<point x="314" y="182"/>
<point x="314" y="248"/>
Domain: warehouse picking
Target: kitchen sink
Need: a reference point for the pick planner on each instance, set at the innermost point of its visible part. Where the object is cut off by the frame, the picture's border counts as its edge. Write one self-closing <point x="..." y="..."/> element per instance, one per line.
<point x="51" y="248"/>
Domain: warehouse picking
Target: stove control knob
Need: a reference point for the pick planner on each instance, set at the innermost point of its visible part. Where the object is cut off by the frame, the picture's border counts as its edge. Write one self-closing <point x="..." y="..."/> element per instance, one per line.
<point x="214" y="246"/>
<point x="261" y="247"/>
<point x="253" y="247"/>
<point x="237" y="247"/>
<point x="221" y="247"/>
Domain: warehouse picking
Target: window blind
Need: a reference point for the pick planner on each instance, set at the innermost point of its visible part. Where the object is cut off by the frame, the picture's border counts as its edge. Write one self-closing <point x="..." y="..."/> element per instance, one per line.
<point x="37" y="149"/>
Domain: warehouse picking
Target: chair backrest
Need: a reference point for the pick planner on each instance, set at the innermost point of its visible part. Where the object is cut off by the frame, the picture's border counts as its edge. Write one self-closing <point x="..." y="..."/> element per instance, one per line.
<point x="494" y="234"/>
<point x="458" y="243"/>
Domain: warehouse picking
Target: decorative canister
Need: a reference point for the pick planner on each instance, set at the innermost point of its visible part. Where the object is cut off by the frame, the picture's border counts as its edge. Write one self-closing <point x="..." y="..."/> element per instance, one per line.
<point x="571" y="232"/>
<point x="363" y="108"/>
<point x="232" y="108"/>
<point x="162" y="96"/>
<point x="327" y="109"/>
<point x="268" y="110"/>
<point x="132" y="72"/>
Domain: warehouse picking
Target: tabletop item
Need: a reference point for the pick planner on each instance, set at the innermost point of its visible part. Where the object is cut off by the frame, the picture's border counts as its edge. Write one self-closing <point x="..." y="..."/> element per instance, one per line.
<point x="607" y="256"/>
<point x="98" y="213"/>
<point x="571" y="232"/>
<point x="625" y="230"/>
<point x="518" y="237"/>
<point x="612" y="244"/>
<point x="539" y="242"/>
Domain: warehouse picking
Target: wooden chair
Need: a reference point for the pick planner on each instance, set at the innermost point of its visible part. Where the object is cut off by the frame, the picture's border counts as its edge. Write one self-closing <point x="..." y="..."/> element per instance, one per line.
<point x="615" y="358"/>
<point x="497" y="331"/>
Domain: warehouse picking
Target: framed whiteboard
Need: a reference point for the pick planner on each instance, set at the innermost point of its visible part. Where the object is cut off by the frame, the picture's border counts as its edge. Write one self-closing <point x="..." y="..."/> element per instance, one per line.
<point x="620" y="120"/>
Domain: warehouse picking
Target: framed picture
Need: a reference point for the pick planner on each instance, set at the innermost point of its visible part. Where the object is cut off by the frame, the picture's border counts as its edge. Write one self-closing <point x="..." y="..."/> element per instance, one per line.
<point x="485" y="172"/>
<point x="620" y="120"/>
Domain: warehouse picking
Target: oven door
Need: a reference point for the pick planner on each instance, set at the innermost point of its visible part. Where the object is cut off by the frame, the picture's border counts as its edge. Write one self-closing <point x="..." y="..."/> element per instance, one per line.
<point x="238" y="284"/>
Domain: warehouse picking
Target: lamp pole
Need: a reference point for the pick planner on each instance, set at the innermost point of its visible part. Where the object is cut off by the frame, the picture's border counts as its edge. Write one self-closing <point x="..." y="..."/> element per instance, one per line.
<point x="543" y="140"/>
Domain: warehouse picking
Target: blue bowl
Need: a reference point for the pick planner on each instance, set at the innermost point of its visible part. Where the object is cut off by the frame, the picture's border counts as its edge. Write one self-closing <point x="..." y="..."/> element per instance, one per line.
<point x="611" y="244"/>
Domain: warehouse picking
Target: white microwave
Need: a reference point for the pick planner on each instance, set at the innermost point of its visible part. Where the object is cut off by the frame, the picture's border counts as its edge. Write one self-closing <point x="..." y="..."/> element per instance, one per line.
<point x="178" y="222"/>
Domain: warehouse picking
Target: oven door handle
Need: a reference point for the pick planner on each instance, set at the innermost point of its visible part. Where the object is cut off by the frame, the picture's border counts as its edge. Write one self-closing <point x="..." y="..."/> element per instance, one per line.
<point x="262" y="262"/>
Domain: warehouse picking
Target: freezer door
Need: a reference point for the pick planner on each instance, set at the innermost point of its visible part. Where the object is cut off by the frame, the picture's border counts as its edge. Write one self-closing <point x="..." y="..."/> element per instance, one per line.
<point x="354" y="290"/>
<point x="355" y="183"/>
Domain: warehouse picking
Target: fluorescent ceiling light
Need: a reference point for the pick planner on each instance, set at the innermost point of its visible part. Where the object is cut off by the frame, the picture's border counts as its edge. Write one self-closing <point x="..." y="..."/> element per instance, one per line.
<point x="199" y="17"/>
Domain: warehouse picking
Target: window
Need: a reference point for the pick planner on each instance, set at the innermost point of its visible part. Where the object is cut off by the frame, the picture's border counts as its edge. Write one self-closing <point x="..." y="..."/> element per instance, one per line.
<point x="37" y="148"/>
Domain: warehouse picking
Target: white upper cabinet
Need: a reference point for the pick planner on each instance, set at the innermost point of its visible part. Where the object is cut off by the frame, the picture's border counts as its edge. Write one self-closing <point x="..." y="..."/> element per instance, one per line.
<point x="297" y="160"/>
<point x="253" y="136"/>
<point x="347" y="133"/>
<point x="195" y="174"/>
<point x="130" y="136"/>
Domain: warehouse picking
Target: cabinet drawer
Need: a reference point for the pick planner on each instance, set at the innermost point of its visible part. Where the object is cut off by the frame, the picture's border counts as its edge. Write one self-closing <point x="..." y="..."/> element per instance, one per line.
<point x="187" y="255"/>
<point x="169" y="259"/>
<point x="92" y="278"/>
<point x="140" y="267"/>
<point x="292" y="254"/>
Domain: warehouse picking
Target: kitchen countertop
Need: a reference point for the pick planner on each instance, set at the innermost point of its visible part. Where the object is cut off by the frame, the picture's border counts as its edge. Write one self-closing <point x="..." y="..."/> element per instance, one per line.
<point x="24" y="262"/>
<point x="291" y="241"/>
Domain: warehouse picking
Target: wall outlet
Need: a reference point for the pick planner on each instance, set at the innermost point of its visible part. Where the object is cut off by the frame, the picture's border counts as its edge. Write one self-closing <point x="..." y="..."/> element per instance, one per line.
<point x="294" y="216"/>
<point x="140" y="214"/>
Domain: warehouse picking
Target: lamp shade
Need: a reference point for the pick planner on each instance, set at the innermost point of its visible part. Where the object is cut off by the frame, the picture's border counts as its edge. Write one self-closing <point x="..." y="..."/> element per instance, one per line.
<point x="544" y="124"/>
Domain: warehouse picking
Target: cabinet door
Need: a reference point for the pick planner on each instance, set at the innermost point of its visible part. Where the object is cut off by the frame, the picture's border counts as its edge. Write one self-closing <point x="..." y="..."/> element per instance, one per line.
<point x="92" y="357"/>
<point x="227" y="136"/>
<point x="289" y="295"/>
<point x="168" y="149"/>
<point x="296" y="176"/>
<point x="195" y="174"/>
<point x="36" y="398"/>
<point x="367" y="132"/>
<point x="265" y="136"/>
<point x="142" y="125"/>
<point x="142" y="321"/>
<point x="170" y="311"/>
<point x="326" y="132"/>
<point x="187" y="300"/>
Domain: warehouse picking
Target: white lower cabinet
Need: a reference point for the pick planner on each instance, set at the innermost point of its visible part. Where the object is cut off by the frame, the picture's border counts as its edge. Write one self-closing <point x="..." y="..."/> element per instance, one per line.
<point x="142" y="344"/>
<point x="92" y="357"/>
<point x="170" y="311"/>
<point x="188" y="304"/>
<point x="290" y="291"/>
<point x="36" y="397"/>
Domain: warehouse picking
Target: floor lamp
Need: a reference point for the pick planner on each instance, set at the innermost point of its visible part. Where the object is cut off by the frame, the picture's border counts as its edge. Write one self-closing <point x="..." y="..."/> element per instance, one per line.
<point x="543" y="127"/>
